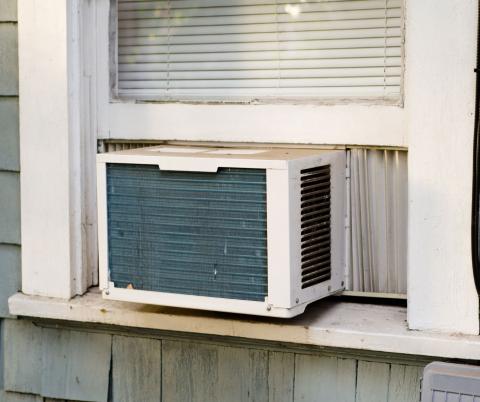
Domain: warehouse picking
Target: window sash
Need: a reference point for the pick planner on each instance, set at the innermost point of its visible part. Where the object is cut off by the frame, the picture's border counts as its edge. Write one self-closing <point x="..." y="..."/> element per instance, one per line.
<point x="240" y="50"/>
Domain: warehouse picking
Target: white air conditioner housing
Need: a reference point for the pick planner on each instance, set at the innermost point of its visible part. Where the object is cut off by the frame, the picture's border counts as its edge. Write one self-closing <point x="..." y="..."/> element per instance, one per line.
<point x="251" y="231"/>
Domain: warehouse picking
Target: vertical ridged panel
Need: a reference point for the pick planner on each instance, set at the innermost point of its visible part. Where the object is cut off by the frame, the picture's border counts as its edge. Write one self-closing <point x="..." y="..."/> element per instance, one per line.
<point x="379" y="206"/>
<point x="188" y="232"/>
<point x="315" y="225"/>
<point x="113" y="146"/>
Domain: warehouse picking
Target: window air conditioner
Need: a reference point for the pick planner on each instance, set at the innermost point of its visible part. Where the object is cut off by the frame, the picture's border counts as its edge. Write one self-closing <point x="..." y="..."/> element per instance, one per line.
<point x="252" y="231"/>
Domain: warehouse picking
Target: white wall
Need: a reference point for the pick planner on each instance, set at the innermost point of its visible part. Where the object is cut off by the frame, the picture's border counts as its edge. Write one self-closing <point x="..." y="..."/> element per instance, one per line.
<point x="440" y="96"/>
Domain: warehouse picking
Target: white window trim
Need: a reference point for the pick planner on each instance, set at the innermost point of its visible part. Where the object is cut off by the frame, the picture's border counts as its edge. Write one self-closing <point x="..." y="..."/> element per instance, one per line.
<point x="58" y="147"/>
<point x="334" y="121"/>
<point x="64" y="108"/>
<point x="392" y="100"/>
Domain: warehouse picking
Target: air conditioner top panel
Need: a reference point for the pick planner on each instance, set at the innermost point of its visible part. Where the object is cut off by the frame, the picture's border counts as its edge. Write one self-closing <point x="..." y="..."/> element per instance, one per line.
<point x="191" y="158"/>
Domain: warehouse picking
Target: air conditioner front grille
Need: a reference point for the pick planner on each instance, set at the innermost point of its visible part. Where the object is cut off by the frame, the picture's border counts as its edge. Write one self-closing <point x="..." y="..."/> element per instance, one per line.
<point x="191" y="233"/>
<point x="315" y="196"/>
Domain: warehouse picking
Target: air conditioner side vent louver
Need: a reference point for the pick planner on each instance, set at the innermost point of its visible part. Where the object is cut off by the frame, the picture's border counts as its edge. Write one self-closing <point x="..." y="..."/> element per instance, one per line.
<point x="315" y="196"/>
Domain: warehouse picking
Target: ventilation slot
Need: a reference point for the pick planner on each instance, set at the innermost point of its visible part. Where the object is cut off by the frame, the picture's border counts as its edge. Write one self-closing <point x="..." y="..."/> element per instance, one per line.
<point x="315" y="225"/>
<point x="119" y="145"/>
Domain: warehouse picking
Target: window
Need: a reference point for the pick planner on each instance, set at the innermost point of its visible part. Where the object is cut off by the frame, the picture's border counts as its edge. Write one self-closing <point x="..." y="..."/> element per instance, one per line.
<point x="245" y="50"/>
<point x="66" y="98"/>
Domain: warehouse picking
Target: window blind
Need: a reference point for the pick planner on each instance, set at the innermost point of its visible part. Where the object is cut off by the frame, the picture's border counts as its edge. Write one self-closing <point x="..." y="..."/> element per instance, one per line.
<point x="253" y="49"/>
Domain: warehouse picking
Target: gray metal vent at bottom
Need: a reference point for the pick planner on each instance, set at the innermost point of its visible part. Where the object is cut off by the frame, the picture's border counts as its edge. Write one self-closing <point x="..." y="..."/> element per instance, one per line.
<point x="451" y="382"/>
<point x="315" y="225"/>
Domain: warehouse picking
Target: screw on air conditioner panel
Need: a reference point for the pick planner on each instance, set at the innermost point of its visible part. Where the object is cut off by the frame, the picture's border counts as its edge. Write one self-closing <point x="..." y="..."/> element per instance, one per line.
<point x="296" y="300"/>
<point x="269" y="307"/>
<point x="107" y="292"/>
<point x="329" y="288"/>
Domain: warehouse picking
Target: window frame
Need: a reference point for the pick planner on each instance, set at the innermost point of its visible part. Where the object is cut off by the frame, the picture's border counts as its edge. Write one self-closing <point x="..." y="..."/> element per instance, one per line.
<point x="65" y="108"/>
<point x="115" y="97"/>
<point x="324" y="121"/>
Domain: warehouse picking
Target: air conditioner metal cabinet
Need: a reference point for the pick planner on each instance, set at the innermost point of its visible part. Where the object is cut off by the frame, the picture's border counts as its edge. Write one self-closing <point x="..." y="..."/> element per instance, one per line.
<point x="143" y="195"/>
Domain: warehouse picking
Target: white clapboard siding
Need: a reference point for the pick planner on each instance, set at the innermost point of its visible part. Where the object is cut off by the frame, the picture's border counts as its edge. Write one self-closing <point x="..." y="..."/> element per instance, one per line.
<point x="249" y="49"/>
<point x="378" y="221"/>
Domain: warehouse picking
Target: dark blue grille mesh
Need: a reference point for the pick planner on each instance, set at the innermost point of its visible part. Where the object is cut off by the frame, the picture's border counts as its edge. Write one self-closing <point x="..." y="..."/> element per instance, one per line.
<point x="189" y="233"/>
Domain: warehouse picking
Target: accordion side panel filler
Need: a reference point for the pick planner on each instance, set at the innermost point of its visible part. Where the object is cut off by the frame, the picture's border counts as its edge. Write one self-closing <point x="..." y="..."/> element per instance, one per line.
<point x="250" y="231"/>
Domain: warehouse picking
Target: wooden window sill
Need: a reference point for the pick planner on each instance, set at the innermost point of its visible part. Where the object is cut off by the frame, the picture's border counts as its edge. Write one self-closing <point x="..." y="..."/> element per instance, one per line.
<point x="327" y="323"/>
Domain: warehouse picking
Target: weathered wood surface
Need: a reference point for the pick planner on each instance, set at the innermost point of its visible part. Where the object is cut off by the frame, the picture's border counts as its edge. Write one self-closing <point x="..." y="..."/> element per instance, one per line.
<point x="71" y="365"/>
<point x="8" y="10"/>
<point x="404" y="385"/>
<point x="136" y="369"/>
<point x="8" y="58"/>
<point x="56" y="363"/>
<point x="281" y="368"/>
<point x="322" y="378"/>
<point x="372" y="381"/>
<point x="9" y="207"/>
<point x="9" y="274"/>
<point x="2" y="359"/>
<point x="17" y="397"/>
<point x="202" y="372"/>
<point x="22" y="356"/>
<point x="9" y="134"/>
<point x="75" y="365"/>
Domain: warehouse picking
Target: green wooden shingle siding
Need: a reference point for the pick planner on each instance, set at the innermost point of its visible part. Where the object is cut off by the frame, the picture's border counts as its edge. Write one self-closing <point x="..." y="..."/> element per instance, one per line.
<point x="9" y="183"/>
<point x="9" y="144"/>
<point x="9" y="274"/>
<point x="9" y="156"/>
<point x="136" y="369"/>
<point x="10" y="203"/>
<point x="8" y="58"/>
<point x="103" y="364"/>
<point x="8" y="11"/>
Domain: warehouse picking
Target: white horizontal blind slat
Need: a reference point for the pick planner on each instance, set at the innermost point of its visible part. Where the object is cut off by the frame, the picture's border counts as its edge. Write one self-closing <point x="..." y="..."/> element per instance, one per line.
<point x="316" y="26"/>
<point x="310" y="64"/>
<point x="144" y="19"/>
<point x="246" y="49"/>
<point x="236" y="6"/>
<point x="258" y="46"/>
<point x="155" y="38"/>
<point x="342" y="73"/>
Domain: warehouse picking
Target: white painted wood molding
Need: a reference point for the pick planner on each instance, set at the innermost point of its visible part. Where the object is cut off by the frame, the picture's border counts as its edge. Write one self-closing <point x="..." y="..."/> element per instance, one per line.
<point x="323" y="121"/>
<point x="440" y="90"/>
<point x="53" y="133"/>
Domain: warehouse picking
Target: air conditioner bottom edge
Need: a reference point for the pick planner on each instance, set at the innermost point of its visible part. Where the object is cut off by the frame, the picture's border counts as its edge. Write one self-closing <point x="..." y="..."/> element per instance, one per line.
<point x="173" y="300"/>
